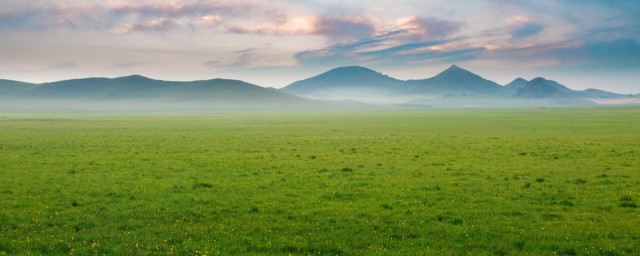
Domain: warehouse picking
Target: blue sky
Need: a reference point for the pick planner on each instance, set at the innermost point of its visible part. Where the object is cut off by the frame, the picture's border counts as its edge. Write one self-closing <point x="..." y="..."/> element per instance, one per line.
<point x="582" y="44"/>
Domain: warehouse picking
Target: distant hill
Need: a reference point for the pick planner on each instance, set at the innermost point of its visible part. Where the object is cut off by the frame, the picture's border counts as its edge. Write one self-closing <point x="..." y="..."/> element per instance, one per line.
<point x="10" y="88"/>
<point x="516" y="84"/>
<point x="139" y="92"/>
<point x="600" y="94"/>
<point x="456" y="81"/>
<point x="129" y="87"/>
<point x="138" y="87"/>
<point x="352" y="82"/>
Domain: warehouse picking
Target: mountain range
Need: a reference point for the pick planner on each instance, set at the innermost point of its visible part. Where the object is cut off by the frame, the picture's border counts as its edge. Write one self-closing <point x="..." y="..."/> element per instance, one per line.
<point x="453" y="87"/>
<point x="141" y="93"/>
<point x="343" y="87"/>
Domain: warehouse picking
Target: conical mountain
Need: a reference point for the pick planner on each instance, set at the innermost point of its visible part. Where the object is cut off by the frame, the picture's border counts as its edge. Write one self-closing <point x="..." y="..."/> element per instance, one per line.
<point x="353" y="82"/>
<point x="457" y="81"/>
<point x="540" y="88"/>
<point x="456" y="74"/>
<point x="516" y="84"/>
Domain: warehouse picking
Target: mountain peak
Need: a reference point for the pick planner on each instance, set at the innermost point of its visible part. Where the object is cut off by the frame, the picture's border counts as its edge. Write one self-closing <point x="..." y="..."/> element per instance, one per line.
<point x="359" y="81"/>
<point x="538" y="80"/>
<point x="539" y="88"/>
<point x="352" y="74"/>
<point x="455" y="70"/>
<point x="134" y="77"/>
<point x="455" y="67"/>
<point x="457" y="81"/>
<point x="516" y="84"/>
<point x="350" y="69"/>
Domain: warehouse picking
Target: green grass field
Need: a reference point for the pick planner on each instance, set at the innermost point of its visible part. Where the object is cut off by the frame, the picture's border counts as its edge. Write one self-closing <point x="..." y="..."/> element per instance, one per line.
<point x="432" y="182"/>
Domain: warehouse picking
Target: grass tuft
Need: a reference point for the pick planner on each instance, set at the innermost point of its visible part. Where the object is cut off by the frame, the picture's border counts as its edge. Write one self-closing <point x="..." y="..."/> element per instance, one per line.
<point x="346" y="169"/>
<point x="202" y="185"/>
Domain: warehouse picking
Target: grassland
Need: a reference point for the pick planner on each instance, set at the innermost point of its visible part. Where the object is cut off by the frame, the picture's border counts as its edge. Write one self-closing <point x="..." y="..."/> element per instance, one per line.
<point x="435" y="182"/>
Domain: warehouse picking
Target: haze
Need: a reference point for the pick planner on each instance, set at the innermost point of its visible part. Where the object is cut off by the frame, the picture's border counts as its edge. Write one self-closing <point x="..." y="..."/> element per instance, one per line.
<point x="584" y="44"/>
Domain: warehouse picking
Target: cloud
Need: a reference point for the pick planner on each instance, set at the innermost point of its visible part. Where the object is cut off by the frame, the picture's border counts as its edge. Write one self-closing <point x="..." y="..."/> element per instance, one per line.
<point x="613" y="54"/>
<point x="126" y="65"/>
<point x="253" y="58"/>
<point x="338" y="50"/>
<point x="587" y="57"/>
<point x="107" y="15"/>
<point x="334" y="28"/>
<point x="21" y="16"/>
<point x="281" y="25"/>
<point x="410" y="39"/>
<point x="160" y="24"/>
<point x="180" y="9"/>
<point x="341" y="29"/>
<point x="209" y="20"/>
<point x="163" y="17"/>
<point x="404" y="54"/>
<point x="64" y="65"/>
<point x="527" y="30"/>
<point x="338" y="28"/>
<point x="427" y="28"/>
<point x="522" y="27"/>
<point x="212" y="63"/>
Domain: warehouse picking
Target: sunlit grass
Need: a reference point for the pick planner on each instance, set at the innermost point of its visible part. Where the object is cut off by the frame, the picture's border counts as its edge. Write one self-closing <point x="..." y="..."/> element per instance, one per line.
<point x="493" y="182"/>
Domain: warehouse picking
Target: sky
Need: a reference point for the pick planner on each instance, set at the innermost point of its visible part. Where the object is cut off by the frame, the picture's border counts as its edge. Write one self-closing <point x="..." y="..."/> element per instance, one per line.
<point x="272" y="43"/>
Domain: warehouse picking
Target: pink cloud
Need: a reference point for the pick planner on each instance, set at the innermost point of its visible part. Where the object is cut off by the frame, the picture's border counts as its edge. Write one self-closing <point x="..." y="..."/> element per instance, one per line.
<point x="335" y="28"/>
<point x="107" y="15"/>
<point x="427" y="28"/>
<point x="160" y="24"/>
<point x="210" y="20"/>
<point x="282" y="25"/>
<point x="344" y="28"/>
<point x="180" y="9"/>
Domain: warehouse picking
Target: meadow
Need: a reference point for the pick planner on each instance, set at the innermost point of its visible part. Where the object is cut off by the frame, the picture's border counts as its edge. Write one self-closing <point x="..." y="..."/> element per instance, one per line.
<point x="419" y="182"/>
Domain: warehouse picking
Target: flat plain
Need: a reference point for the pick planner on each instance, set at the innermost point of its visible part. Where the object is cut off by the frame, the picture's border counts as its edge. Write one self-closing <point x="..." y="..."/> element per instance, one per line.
<point x="424" y="182"/>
